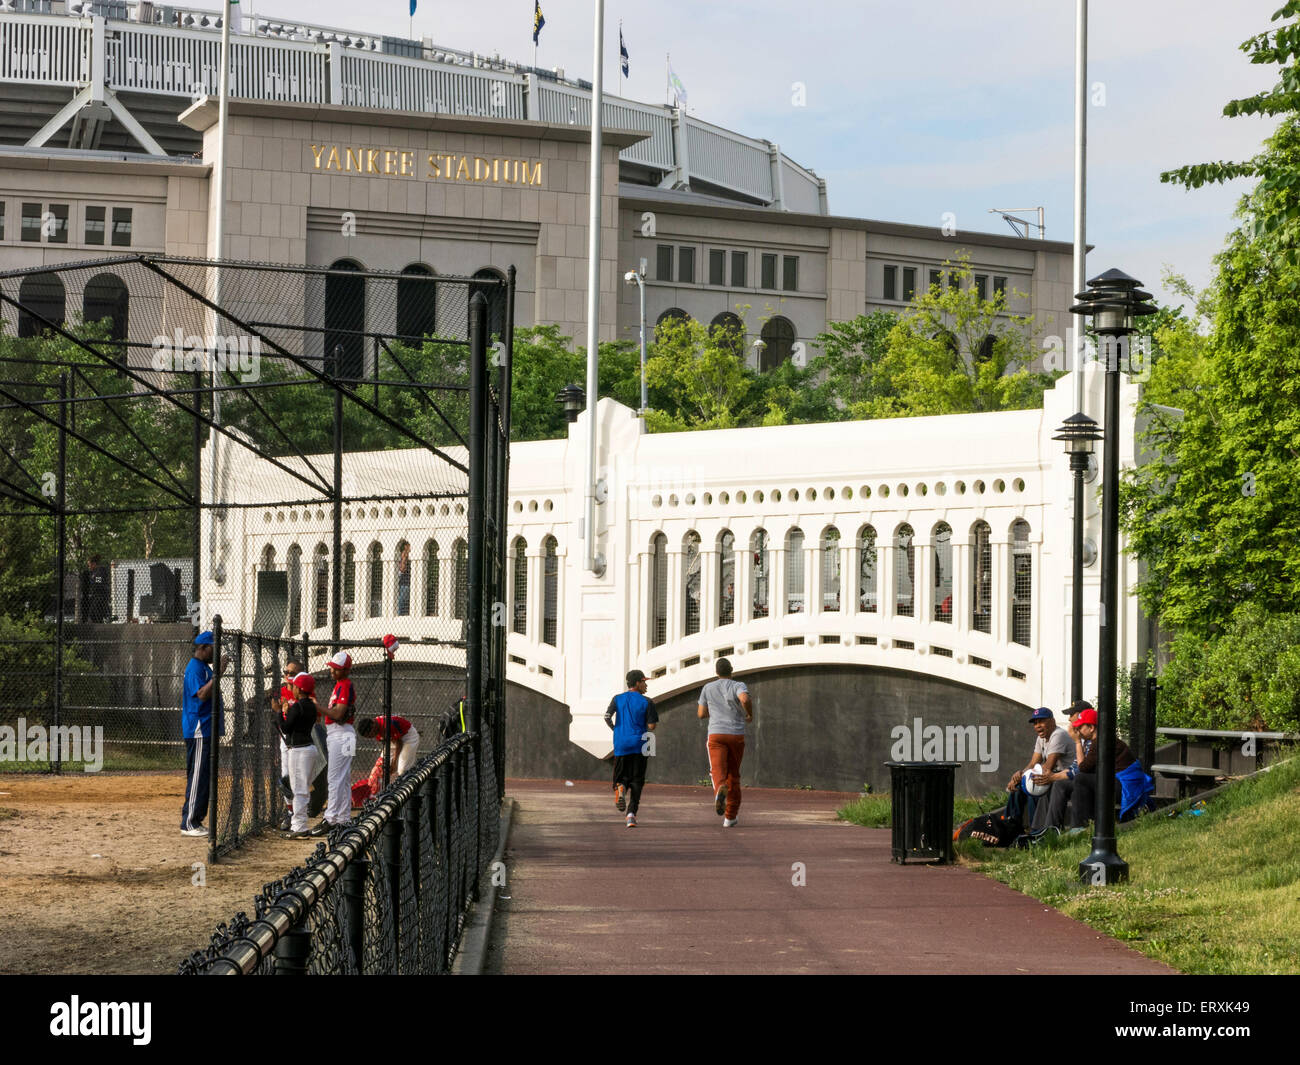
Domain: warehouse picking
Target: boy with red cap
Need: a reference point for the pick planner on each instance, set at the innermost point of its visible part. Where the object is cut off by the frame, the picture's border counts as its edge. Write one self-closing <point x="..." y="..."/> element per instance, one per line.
<point x="298" y="720"/>
<point x="402" y="732"/>
<point x="341" y="741"/>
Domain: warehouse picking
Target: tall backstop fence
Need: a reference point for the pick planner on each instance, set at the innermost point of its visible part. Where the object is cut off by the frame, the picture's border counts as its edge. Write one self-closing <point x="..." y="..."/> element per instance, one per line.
<point x="317" y="455"/>
<point x="387" y="895"/>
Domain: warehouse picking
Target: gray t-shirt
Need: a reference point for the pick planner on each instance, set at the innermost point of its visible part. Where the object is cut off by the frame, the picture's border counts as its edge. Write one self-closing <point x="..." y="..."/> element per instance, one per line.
<point x="722" y="697"/>
<point x="1059" y="742"/>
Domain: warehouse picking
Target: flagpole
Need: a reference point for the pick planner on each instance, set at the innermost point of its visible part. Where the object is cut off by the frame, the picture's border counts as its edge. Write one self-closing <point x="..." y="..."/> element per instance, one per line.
<point x="593" y="563"/>
<point x="1080" y="184"/>
<point x="219" y="250"/>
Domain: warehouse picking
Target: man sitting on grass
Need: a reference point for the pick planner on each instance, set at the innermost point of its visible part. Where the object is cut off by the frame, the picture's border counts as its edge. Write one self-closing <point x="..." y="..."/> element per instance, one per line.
<point x="1081" y="777"/>
<point x="1054" y="751"/>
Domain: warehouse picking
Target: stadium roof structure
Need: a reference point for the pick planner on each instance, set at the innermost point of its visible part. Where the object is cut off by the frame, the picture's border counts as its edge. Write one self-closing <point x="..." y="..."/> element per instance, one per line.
<point x="114" y="75"/>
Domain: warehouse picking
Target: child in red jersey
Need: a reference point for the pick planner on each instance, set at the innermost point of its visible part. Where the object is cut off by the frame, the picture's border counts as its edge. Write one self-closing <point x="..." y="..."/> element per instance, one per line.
<point x="341" y="740"/>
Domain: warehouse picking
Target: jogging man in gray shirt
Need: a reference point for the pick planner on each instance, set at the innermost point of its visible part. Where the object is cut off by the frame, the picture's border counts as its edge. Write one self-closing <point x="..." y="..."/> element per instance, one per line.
<point x="725" y="702"/>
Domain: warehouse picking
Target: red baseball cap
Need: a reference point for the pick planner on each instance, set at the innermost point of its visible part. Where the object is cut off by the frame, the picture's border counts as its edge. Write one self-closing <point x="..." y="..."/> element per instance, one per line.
<point x="1087" y="716"/>
<point x="305" y="683"/>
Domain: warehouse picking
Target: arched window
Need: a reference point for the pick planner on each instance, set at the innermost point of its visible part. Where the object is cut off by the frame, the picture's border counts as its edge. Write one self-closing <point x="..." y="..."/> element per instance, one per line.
<point x="519" y="558"/>
<point x="460" y="550"/>
<point x="268" y="558"/>
<point x="778" y="335"/>
<point x="726" y="577"/>
<point x="376" y="604"/>
<point x="984" y="352"/>
<point x="495" y="294"/>
<point x="1022" y="583"/>
<point x="550" y="590"/>
<point x="345" y="321"/>
<point x="729" y="332"/>
<point x="431" y="579"/>
<point x="794" y="601"/>
<point x="691" y="582"/>
<point x="294" y="566"/>
<point x="950" y="343"/>
<point x="41" y="297"/>
<point x="867" y="570"/>
<point x="658" y="590"/>
<point x="982" y="578"/>
<point x="941" y="544"/>
<point x="416" y="304"/>
<point x="831" y="570"/>
<point x="673" y="314"/>
<point x="321" y="576"/>
<point x="105" y="297"/>
<point x="904" y="570"/>
<point x="403" y="565"/>
<point x="759" y="583"/>
<point x="349" y="582"/>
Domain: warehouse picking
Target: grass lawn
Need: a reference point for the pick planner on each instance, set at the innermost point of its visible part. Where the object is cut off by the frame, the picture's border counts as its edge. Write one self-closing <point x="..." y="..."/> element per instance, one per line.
<point x="1214" y="893"/>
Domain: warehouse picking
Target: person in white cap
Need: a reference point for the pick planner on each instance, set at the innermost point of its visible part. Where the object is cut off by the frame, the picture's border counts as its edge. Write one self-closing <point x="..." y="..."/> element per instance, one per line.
<point x="341" y="741"/>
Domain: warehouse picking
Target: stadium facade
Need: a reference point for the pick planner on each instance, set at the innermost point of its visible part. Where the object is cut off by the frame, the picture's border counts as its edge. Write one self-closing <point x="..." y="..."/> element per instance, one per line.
<point x="355" y="150"/>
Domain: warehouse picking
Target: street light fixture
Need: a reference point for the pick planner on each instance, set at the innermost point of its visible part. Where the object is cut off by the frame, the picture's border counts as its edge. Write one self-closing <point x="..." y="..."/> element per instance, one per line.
<point x="637" y="277"/>
<point x="1112" y="300"/>
<point x="572" y="399"/>
<point x="1079" y="434"/>
<point x="760" y="346"/>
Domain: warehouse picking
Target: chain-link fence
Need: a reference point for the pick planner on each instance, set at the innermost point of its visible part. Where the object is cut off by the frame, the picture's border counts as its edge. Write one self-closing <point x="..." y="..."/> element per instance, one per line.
<point x="308" y="453"/>
<point x="388" y="895"/>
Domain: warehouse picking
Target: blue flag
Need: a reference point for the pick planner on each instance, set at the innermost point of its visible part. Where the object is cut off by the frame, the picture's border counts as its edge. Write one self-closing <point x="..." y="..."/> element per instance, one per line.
<point x="539" y="20"/>
<point x="412" y="8"/>
<point x="622" y="51"/>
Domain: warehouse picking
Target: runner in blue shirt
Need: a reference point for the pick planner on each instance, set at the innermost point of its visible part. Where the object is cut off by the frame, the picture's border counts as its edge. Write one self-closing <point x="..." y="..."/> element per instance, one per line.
<point x="632" y="717"/>
<point x="196" y="727"/>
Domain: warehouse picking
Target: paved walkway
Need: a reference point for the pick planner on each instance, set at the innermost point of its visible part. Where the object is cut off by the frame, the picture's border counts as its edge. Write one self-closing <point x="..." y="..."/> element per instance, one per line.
<point x="680" y="894"/>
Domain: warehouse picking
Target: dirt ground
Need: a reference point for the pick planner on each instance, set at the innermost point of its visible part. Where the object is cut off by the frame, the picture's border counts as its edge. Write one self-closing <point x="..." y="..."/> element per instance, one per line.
<point x="95" y="876"/>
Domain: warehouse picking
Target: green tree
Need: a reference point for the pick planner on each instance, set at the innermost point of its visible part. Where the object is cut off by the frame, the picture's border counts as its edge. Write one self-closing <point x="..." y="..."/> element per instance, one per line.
<point x="698" y="380"/>
<point x="955" y="353"/>
<point x="849" y="366"/>
<point x="1215" y="515"/>
<point x="1275" y="222"/>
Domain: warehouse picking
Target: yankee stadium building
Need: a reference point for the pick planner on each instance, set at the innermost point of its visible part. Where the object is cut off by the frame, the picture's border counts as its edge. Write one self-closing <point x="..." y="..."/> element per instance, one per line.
<point x="353" y="150"/>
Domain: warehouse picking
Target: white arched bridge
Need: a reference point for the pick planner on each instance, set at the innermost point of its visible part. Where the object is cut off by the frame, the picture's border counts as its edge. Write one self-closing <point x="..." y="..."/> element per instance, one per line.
<point x="937" y="546"/>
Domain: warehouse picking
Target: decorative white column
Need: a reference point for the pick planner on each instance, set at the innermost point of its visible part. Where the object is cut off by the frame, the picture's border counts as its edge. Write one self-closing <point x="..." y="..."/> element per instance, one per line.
<point x="776" y="601"/>
<point x="886" y="590"/>
<point x="961" y="600"/>
<point x="642" y="626"/>
<point x="812" y="584"/>
<point x="851" y="567"/>
<point x="744" y="580"/>
<point x="1001" y="591"/>
<point x="923" y="580"/>
<point x="676" y="601"/>
<point x="709" y="595"/>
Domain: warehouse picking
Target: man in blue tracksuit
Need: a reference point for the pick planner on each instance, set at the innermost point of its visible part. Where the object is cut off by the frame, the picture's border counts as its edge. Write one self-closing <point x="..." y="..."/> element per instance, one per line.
<point x="632" y="717"/>
<point x="196" y="726"/>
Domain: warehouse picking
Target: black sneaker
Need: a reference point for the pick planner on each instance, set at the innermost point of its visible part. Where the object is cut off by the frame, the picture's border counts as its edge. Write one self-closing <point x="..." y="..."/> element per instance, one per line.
<point x="720" y="801"/>
<point x="620" y="798"/>
<point x="323" y="829"/>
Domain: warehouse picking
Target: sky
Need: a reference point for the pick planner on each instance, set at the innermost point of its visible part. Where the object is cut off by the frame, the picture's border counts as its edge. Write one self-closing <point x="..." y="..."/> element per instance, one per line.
<point x="911" y="111"/>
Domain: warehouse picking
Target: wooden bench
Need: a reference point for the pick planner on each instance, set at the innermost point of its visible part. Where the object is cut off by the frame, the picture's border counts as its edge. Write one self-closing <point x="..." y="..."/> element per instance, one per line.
<point x="1196" y="776"/>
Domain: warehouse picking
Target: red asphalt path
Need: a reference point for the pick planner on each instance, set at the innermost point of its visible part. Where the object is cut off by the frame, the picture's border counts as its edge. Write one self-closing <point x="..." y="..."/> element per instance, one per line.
<point x="681" y="894"/>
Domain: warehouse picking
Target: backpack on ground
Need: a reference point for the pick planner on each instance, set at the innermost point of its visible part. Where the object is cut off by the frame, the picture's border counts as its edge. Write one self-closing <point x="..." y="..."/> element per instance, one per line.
<point x="993" y="829"/>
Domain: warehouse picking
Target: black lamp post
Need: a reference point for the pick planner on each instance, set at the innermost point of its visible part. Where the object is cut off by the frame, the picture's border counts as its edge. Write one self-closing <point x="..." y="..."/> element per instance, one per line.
<point x="1112" y="300"/>
<point x="1079" y="434"/>
<point x="573" y="399"/>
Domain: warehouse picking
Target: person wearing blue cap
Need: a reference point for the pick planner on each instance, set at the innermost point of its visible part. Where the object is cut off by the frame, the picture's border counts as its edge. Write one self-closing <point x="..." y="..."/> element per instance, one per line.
<point x="1053" y="751"/>
<point x="196" y="727"/>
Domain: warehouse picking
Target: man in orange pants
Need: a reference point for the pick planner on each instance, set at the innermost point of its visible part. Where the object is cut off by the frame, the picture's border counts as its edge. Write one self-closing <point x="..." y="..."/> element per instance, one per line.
<point x="725" y="702"/>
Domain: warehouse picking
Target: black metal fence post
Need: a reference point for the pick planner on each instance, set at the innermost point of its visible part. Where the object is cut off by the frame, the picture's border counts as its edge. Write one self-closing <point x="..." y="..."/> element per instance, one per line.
<point x="388" y="716"/>
<point x="393" y="861"/>
<point x="293" y="950"/>
<point x="354" y="905"/>
<point x="61" y="562"/>
<point x="214" y="744"/>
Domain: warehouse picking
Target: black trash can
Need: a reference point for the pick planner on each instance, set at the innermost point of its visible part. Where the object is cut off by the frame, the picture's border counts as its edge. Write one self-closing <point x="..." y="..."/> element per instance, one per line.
<point x="921" y="797"/>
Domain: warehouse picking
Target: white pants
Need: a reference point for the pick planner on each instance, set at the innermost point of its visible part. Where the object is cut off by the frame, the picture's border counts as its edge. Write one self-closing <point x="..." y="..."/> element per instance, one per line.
<point x="341" y="742"/>
<point x="301" y="763"/>
<point x="409" y="751"/>
<point x="284" y="767"/>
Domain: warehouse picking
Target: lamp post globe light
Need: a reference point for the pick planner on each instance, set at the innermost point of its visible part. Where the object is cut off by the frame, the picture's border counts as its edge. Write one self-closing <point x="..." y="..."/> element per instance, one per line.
<point x="1113" y="300"/>
<point x="572" y="399"/>
<point x="1079" y="434"/>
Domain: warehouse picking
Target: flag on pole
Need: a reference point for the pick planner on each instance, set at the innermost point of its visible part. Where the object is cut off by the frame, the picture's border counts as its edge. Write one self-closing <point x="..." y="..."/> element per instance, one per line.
<point x="539" y="20"/>
<point x="679" y="90"/>
<point x="412" y="8"/>
<point x="622" y="50"/>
